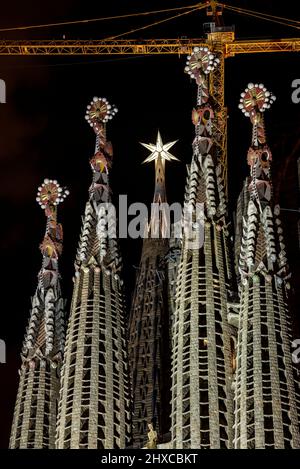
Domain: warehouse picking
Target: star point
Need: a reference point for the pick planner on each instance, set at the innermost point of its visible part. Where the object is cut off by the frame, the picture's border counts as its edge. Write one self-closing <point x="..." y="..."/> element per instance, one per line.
<point x="159" y="149"/>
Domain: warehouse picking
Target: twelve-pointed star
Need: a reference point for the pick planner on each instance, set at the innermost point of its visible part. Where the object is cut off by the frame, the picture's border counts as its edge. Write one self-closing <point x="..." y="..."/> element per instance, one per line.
<point x="159" y="149"/>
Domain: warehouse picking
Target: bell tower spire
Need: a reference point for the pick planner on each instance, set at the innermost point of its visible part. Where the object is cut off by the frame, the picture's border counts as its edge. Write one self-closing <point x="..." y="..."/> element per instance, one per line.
<point x="266" y="399"/>
<point x="159" y="221"/>
<point x="36" y="405"/>
<point x="159" y="154"/>
<point x="149" y="339"/>
<point x="202" y="374"/>
<point x="94" y="408"/>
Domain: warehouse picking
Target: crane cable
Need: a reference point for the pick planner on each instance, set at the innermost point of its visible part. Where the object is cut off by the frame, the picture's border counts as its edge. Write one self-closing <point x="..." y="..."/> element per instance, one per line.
<point x="200" y="7"/>
<point x="262" y="13"/>
<point x="263" y="16"/>
<point x="93" y="20"/>
<point x="192" y="8"/>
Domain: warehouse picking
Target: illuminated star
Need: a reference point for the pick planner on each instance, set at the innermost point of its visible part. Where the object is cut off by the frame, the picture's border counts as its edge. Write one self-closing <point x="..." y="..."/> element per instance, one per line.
<point x="159" y="150"/>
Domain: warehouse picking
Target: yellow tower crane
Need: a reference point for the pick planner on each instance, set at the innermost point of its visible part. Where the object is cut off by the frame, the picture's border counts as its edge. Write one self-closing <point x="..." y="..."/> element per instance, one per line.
<point x="219" y="38"/>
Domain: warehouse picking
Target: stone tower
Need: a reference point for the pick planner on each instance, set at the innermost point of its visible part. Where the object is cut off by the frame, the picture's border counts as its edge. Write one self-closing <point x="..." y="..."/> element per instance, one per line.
<point x="35" y="410"/>
<point x="202" y="400"/>
<point x="266" y="414"/>
<point x="94" y="408"/>
<point x="149" y="343"/>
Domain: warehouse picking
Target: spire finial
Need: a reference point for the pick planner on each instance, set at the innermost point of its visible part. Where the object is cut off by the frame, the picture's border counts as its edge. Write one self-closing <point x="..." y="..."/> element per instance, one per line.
<point x="159" y="150"/>
<point x="50" y="194"/>
<point x="159" y="153"/>
<point x="98" y="112"/>
<point x="255" y="99"/>
<point x="201" y="61"/>
<point x="253" y="103"/>
<point x="199" y="65"/>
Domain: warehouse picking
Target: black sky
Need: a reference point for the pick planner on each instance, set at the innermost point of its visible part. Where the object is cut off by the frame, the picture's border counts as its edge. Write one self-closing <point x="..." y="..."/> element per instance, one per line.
<point x="44" y="134"/>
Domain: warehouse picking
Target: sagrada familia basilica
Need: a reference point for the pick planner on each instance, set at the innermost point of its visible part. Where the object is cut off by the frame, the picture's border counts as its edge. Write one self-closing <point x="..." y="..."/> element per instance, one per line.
<point x="203" y="359"/>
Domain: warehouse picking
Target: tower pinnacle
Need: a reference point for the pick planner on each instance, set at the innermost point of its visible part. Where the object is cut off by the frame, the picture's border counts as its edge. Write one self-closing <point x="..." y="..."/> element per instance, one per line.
<point x="160" y="154"/>
<point x="36" y="405"/>
<point x="202" y="401"/>
<point x="266" y="399"/>
<point x="159" y="222"/>
<point x="149" y="344"/>
<point x="94" y="398"/>
<point x="159" y="150"/>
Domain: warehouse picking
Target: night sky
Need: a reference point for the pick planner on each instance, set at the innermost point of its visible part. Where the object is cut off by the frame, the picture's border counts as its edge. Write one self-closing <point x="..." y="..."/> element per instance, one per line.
<point x="44" y="134"/>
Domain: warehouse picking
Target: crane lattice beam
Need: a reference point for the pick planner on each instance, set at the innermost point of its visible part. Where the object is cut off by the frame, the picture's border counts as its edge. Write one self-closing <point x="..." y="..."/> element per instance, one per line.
<point x="132" y="47"/>
<point x="83" y="47"/>
<point x="253" y="47"/>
